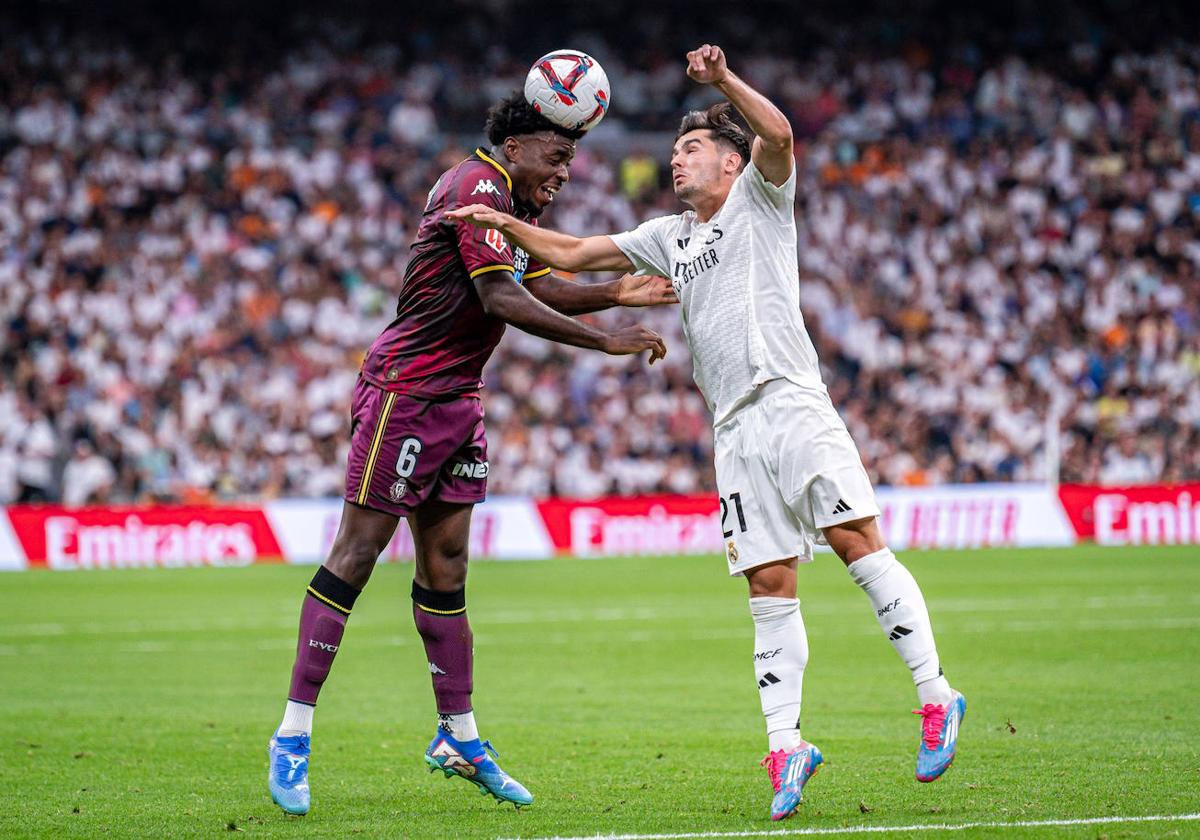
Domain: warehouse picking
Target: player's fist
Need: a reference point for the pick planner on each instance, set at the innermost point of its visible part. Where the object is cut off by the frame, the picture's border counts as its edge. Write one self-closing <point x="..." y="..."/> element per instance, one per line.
<point x="644" y="291"/>
<point x="706" y="65"/>
<point x="635" y="339"/>
<point x="479" y="215"/>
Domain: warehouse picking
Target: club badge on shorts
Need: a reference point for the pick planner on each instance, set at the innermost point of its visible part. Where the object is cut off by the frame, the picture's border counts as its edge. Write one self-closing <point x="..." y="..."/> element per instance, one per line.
<point x="398" y="490"/>
<point x="731" y="550"/>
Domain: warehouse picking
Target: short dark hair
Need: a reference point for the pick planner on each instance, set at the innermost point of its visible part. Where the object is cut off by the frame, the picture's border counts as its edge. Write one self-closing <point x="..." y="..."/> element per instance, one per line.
<point x="718" y="120"/>
<point x="513" y="116"/>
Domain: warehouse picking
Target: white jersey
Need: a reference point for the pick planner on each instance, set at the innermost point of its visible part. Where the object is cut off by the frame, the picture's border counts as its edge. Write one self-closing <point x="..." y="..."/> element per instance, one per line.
<point x="738" y="284"/>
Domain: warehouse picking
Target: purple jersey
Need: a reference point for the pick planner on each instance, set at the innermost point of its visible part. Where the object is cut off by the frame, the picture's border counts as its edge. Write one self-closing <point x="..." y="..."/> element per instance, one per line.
<point x="441" y="338"/>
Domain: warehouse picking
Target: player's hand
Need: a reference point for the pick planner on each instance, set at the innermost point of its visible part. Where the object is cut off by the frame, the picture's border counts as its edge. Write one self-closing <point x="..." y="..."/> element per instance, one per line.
<point x="644" y="291"/>
<point x="706" y="65"/>
<point x="479" y="215"/>
<point x="630" y="340"/>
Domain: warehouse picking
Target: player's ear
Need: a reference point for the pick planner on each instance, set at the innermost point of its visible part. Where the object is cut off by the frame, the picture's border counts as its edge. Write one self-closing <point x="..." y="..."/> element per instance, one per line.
<point x="512" y="149"/>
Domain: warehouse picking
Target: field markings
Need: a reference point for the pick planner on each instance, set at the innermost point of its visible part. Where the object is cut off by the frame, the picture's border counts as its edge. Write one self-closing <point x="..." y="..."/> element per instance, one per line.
<point x="595" y="615"/>
<point x="880" y="829"/>
<point x="282" y="636"/>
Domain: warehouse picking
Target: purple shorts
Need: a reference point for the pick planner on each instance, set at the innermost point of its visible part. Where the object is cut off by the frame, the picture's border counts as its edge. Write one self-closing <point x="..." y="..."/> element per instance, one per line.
<point x="407" y="450"/>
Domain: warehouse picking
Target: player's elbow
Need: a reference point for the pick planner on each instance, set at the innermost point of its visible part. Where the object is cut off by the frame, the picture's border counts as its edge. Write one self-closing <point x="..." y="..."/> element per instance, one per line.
<point x="496" y="300"/>
<point x="779" y="139"/>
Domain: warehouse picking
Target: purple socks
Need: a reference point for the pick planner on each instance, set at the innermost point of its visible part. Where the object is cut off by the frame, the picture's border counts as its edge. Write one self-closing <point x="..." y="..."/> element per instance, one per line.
<point x="441" y="619"/>
<point x="322" y="622"/>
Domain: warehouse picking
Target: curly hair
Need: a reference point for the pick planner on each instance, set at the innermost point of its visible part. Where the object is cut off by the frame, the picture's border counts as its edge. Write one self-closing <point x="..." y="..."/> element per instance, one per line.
<point x="718" y="119"/>
<point x="513" y="116"/>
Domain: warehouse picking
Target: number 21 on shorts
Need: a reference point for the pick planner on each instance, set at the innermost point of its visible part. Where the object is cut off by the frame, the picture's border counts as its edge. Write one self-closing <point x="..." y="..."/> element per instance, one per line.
<point x="736" y="498"/>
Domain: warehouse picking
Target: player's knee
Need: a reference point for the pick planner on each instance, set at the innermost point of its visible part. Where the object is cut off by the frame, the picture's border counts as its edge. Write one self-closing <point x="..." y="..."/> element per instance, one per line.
<point x="353" y="557"/>
<point x="854" y="540"/>
<point x="446" y="570"/>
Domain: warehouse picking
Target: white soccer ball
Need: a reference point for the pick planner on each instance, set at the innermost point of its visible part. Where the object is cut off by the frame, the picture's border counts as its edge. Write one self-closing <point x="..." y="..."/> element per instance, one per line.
<point x="569" y="88"/>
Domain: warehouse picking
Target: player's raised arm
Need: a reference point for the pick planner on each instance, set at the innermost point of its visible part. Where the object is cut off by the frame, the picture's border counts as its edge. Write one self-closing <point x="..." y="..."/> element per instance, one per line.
<point x="772" y="149"/>
<point x="559" y="250"/>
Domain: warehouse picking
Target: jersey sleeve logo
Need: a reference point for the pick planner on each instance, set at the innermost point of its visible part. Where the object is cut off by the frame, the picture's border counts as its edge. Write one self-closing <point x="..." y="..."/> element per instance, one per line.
<point x="496" y="240"/>
<point x="486" y="187"/>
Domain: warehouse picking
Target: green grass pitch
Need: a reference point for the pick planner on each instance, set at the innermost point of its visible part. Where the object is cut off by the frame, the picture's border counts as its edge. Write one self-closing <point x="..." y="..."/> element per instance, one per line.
<point x="621" y="692"/>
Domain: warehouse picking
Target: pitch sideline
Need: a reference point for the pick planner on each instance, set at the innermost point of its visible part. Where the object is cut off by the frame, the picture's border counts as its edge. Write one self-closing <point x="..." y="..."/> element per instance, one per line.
<point x="879" y="829"/>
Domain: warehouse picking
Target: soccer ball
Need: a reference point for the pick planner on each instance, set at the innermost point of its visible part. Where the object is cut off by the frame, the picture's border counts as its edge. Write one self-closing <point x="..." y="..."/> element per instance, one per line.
<point x="569" y="88"/>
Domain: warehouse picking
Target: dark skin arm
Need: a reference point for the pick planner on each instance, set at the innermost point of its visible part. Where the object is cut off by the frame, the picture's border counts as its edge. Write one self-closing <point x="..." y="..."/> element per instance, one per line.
<point x="503" y="298"/>
<point x="572" y="298"/>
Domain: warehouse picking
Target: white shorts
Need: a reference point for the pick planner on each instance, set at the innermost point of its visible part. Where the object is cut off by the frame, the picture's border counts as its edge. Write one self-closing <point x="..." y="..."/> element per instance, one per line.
<point x="786" y="468"/>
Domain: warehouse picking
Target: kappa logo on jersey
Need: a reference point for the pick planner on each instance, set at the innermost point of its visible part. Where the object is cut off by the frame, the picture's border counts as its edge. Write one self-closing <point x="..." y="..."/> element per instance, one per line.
<point x="486" y="187"/>
<point x="496" y="239"/>
<point x="452" y="759"/>
<point x="434" y="669"/>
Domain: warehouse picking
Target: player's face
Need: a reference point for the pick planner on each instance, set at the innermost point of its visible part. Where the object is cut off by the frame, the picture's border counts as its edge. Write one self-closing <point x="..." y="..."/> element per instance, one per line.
<point x="697" y="166"/>
<point x="541" y="165"/>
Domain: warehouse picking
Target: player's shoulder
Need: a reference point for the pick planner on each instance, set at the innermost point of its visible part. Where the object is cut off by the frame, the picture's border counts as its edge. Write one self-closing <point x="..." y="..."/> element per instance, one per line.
<point x="481" y="178"/>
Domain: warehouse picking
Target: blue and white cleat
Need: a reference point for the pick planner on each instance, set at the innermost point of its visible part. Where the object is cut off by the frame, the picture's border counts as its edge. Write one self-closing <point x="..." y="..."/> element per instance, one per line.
<point x="287" y="776"/>
<point x="790" y="771"/>
<point x="470" y="760"/>
<point x="939" y="736"/>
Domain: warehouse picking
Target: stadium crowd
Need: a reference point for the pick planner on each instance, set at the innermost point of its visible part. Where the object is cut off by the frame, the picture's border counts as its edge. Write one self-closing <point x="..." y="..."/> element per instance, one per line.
<point x="1000" y="260"/>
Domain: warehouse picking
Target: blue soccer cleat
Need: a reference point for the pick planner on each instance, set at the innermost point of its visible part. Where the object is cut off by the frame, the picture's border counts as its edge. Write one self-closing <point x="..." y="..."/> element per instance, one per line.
<point x="470" y="760"/>
<point x="939" y="736"/>
<point x="287" y="776"/>
<point x="790" y="771"/>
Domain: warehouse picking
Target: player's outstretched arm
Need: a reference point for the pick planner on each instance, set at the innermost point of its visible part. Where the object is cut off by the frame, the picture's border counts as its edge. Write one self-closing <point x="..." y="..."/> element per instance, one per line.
<point x="572" y="298"/>
<point x="504" y="298"/>
<point x="772" y="149"/>
<point x="557" y="250"/>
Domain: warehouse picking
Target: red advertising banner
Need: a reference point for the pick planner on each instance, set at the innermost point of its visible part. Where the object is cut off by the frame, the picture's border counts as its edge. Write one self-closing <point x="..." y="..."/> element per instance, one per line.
<point x="98" y="538"/>
<point x="1150" y="515"/>
<point x="629" y="526"/>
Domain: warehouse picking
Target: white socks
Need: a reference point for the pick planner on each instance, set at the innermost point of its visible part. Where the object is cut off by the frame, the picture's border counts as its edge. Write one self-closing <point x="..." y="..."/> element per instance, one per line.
<point x="461" y="727"/>
<point x="780" y="654"/>
<point x="900" y="609"/>
<point x="297" y="719"/>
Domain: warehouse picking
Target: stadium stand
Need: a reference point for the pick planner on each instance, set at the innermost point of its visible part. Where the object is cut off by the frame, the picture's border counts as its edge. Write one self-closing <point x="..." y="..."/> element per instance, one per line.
<point x="1000" y="259"/>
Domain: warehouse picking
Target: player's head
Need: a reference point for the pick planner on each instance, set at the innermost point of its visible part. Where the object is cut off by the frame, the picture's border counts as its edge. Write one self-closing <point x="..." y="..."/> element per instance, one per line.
<point x="710" y="150"/>
<point x="536" y="152"/>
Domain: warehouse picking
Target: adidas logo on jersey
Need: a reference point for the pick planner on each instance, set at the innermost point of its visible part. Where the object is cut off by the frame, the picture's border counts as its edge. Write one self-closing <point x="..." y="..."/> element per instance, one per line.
<point x="899" y="632"/>
<point x="842" y="507"/>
